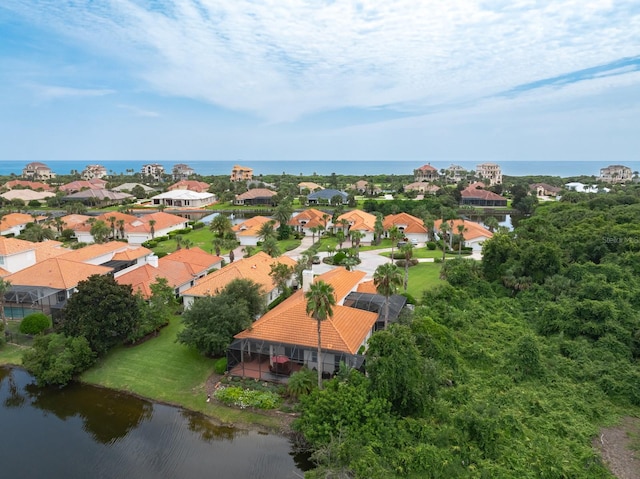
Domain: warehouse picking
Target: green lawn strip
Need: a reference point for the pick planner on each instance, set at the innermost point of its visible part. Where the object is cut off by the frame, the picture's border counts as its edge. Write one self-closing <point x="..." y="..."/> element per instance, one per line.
<point x="423" y="276"/>
<point x="11" y="354"/>
<point x="421" y="253"/>
<point x="162" y="370"/>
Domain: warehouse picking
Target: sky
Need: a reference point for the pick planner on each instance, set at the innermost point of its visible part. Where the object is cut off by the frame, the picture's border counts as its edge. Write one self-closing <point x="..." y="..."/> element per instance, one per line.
<point x="313" y="80"/>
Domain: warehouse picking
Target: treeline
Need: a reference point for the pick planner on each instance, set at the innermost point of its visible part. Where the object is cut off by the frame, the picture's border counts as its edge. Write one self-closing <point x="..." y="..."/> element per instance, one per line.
<point x="509" y="370"/>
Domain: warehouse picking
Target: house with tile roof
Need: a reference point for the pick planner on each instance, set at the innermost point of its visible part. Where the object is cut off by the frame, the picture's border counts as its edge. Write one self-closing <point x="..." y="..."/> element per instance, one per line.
<point x="191" y="185"/>
<point x="309" y="218"/>
<point x="490" y="172"/>
<point x="255" y="196"/>
<point x="255" y="268"/>
<point x="46" y="286"/>
<point x="358" y="220"/>
<point x="241" y="173"/>
<point x="27" y="195"/>
<point x="422" y="187"/>
<point x="544" y="189"/>
<point x="140" y="230"/>
<point x="14" y="223"/>
<point x="16" y="254"/>
<point x="366" y="187"/>
<point x="309" y="186"/>
<point x="31" y="185"/>
<point x="478" y="197"/>
<point x="287" y="334"/>
<point x="426" y="173"/>
<point x="411" y="227"/>
<point x="37" y="171"/>
<point x="181" y="171"/>
<point x="80" y="185"/>
<point x="128" y="187"/>
<point x="182" y="269"/>
<point x="248" y="232"/>
<point x="183" y="198"/>
<point x="99" y="197"/>
<point x="120" y="257"/>
<point x="474" y="234"/>
<point x="93" y="171"/>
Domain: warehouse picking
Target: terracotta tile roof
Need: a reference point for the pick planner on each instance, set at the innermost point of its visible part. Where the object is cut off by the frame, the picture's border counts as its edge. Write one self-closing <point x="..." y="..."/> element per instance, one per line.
<point x="359" y="220"/>
<point x="472" y="230"/>
<point x="9" y="246"/>
<point x="4" y="272"/>
<point x="163" y="220"/>
<point x="49" y="249"/>
<point x="56" y="273"/>
<point x="252" y="226"/>
<point x="99" y="194"/>
<point x="79" y="185"/>
<point x="310" y="185"/>
<point x="411" y="223"/>
<point x="192" y="185"/>
<point x="426" y="168"/>
<point x="14" y="219"/>
<point x="308" y="218"/>
<point x="33" y="185"/>
<point x="255" y="268"/>
<point x="483" y="194"/>
<point x="367" y="287"/>
<point x="132" y="253"/>
<point x="256" y="193"/>
<point x="140" y="279"/>
<point x="71" y="221"/>
<point x="199" y="259"/>
<point x="95" y="250"/>
<point x="289" y="323"/>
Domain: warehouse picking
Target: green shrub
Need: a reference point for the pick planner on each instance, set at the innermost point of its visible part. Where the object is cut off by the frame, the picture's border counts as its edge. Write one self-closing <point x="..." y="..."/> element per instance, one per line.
<point x="301" y="383"/>
<point x="161" y="254"/>
<point x="160" y="239"/>
<point x="339" y="257"/>
<point x="243" y="398"/>
<point x="197" y="225"/>
<point x="431" y="245"/>
<point x="150" y="244"/>
<point x="401" y="263"/>
<point x="35" y="323"/>
<point x="220" y="366"/>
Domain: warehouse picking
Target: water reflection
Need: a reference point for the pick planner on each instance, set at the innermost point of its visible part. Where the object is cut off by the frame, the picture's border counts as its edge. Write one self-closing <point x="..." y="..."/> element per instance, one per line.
<point x="82" y="431"/>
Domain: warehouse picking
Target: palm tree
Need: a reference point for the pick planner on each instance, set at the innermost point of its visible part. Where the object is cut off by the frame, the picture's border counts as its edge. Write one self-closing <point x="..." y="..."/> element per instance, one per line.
<point x="37" y="233"/>
<point x="120" y="224"/>
<point x="444" y="228"/>
<point x="267" y="231"/>
<point x="112" y="223"/>
<point x="492" y="223"/>
<point x="387" y="279"/>
<point x="314" y="230"/>
<point x="152" y="229"/>
<point x="248" y="251"/>
<point x="407" y="250"/>
<point x="378" y="227"/>
<point x="340" y="238"/>
<point x="4" y="288"/>
<point x="461" y="229"/>
<point x="270" y="246"/>
<point x="394" y="235"/>
<point x="220" y="225"/>
<point x="356" y="236"/>
<point x="320" y="302"/>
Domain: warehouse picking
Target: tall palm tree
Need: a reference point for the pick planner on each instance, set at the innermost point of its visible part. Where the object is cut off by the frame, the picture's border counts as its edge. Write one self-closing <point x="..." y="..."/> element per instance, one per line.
<point x="378" y="227"/>
<point x="356" y="236"/>
<point x="320" y="302"/>
<point x="461" y="229"/>
<point x="267" y="231"/>
<point x="444" y="228"/>
<point x="220" y="225"/>
<point x="394" y="235"/>
<point x="387" y="278"/>
<point x="37" y="233"/>
<point x="152" y="228"/>
<point x="4" y="288"/>
<point x="314" y="230"/>
<point x="407" y="250"/>
<point x="112" y="223"/>
<point x="120" y="224"/>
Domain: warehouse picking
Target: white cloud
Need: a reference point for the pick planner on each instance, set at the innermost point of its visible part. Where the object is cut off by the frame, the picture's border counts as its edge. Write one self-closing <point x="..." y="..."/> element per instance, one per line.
<point x="52" y="92"/>
<point x="282" y="59"/>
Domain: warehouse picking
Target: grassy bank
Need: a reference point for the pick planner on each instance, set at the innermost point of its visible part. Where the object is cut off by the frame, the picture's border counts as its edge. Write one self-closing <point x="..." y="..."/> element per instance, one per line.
<point x="162" y="370"/>
<point x="423" y="276"/>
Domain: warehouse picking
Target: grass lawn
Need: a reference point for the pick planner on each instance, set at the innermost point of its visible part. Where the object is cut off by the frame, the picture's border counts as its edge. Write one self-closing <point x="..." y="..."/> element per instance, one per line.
<point x="420" y="253"/>
<point x="162" y="370"/>
<point x="201" y="237"/>
<point x="423" y="276"/>
<point x="11" y="354"/>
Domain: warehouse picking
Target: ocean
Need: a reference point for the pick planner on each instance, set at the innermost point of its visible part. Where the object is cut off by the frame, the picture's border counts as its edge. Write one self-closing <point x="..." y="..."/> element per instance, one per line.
<point x="563" y="169"/>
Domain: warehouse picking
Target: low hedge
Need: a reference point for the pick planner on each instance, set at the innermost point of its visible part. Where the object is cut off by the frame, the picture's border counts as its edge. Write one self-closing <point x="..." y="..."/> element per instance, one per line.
<point x="401" y="263"/>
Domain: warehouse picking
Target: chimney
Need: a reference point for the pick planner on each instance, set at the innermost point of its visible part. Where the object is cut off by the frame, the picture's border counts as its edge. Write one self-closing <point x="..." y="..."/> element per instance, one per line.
<point x="152" y="260"/>
<point x="307" y="279"/>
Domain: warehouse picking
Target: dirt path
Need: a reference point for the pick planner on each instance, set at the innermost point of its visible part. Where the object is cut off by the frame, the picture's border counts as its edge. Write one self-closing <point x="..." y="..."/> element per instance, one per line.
<point x="616" y="446"/>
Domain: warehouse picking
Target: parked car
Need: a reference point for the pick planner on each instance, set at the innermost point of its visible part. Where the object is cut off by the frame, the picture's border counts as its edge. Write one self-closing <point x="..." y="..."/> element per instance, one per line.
<point x="401" y="244"/>
<point x="315" y="260"/>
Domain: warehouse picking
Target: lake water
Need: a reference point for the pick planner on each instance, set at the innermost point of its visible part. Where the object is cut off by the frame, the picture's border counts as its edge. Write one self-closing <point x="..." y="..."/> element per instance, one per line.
<point x="82" y="431"/>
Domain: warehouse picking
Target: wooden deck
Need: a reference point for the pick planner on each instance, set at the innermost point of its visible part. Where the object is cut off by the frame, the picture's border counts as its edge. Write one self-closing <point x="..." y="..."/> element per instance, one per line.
<point x="259" y="369"/>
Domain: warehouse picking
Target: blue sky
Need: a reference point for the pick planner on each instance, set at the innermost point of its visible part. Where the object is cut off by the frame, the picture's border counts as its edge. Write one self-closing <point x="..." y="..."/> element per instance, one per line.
<point x="428" y="80"/>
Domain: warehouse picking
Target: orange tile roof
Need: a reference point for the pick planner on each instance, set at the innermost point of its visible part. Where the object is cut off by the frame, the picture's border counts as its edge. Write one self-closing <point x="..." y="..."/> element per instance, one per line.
<point x="163" y="220"/>
<point x="33" y="185"/>
<point x="14" y="219"/>
<point x="56" y="273"/>
<point x="255" y="268"/>
<point x="49" y="249"/>
<point x="192" y="185"/>
<point x="359" y="220"/>
<point x="94" y="250"/>
<point x="70" y="221"/>
<point x="132" y="253"/>
<point x="9" y="246"/>
<point x="256" y="193"/>
<point x="199" y="259"/>
<point x="79" y="185"/>
<point x="310" y="217"/>
<point x="4" y="272"/>
<point x="472" y="230"/>
<point x="289" y="323"/>
<point x="411" y="223"/>
<point x="367" y="287"/>
<point x="252" y="226"/>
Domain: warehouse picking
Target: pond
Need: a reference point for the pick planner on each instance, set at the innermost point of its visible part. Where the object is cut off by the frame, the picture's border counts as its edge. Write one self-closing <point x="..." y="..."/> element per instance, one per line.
<point x="82" y="431"/>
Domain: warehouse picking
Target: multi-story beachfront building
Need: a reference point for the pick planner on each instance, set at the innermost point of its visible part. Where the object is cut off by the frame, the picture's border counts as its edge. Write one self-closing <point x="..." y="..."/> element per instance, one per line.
<point x="455" y="174"/>
<point x="490" y="172"/>
<point x="93" y="171"/>
<point x="181" y="171"/>
<point x="426" y="173"/>
<point x="153" y="170"/>
<point x="241" y="173"/>
<point x="37" y="171"/>
<point x="615" y="174"/>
